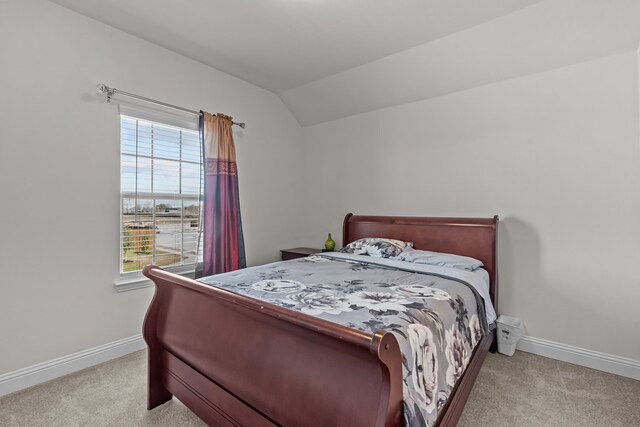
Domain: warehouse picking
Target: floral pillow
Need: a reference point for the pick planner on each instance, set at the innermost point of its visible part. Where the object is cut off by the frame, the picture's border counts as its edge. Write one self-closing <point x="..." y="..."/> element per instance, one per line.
<point x="376" y="247"/>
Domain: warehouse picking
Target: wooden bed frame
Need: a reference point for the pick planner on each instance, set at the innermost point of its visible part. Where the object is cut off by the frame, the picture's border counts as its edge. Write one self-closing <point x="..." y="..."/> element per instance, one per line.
<point x="235" y="360"/>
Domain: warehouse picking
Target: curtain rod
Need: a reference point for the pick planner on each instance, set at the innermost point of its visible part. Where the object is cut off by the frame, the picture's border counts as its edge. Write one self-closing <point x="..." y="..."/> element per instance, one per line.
<point x="110" y="91"/>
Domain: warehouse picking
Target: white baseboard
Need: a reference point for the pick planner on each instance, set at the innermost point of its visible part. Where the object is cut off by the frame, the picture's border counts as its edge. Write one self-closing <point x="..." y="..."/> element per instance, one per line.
<point x="36" y="374"/>
<point x="580" y="356"/>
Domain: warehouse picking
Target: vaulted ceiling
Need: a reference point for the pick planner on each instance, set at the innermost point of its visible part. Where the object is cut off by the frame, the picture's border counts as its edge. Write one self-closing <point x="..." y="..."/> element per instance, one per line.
<point x="282" y="44"/>
<point x="331" y="58"/>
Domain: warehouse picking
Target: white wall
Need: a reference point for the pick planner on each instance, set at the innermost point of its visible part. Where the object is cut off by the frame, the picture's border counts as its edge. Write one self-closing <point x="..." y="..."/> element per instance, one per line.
<point x="555" y="154"/>
<point x="59" y="174"/>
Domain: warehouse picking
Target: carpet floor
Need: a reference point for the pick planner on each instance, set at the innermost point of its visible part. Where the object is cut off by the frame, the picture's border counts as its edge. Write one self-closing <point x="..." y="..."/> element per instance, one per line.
<point x="523" y="390"/>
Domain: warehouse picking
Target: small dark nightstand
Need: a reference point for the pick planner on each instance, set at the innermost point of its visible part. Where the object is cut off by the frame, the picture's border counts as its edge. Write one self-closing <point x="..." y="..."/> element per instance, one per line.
<point x="297" y="253"/>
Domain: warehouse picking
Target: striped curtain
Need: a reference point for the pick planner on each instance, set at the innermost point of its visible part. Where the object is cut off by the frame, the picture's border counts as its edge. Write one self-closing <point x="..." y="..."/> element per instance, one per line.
<point x="223" y="241"/>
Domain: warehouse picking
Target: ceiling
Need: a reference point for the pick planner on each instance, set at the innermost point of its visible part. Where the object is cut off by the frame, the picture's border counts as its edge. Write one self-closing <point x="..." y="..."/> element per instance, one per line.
<point x="283" y="44"/>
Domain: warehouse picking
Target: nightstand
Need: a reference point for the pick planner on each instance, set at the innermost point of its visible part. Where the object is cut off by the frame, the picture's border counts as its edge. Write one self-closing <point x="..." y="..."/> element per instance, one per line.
<point x="297" y="253"/>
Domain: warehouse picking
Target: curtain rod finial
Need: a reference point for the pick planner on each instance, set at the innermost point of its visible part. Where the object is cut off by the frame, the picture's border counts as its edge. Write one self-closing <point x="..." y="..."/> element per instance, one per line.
<point x="103" y="88"/>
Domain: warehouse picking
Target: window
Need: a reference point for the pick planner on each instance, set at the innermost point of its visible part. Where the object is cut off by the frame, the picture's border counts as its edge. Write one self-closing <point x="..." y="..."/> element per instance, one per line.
<point x="160" y="193"/>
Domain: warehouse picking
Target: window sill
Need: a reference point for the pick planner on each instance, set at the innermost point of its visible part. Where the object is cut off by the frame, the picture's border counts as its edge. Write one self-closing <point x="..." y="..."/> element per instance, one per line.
<point x="130" y="283"/>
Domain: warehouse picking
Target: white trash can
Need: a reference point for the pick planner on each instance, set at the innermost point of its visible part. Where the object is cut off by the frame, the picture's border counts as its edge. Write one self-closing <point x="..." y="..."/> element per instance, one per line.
<point x="510" y="330"/>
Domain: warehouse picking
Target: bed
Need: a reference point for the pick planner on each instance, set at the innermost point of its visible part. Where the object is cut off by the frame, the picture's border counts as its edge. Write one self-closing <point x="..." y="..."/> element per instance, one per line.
<point x="237" y="360"/>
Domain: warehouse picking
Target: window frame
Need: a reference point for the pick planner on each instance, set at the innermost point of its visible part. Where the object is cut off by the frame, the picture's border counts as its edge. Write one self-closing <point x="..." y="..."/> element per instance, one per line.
<point x="135" y="279"/>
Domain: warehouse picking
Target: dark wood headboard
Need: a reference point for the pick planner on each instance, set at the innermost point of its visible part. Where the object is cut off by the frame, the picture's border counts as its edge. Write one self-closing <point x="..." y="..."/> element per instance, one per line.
<point x="473" y="237"/>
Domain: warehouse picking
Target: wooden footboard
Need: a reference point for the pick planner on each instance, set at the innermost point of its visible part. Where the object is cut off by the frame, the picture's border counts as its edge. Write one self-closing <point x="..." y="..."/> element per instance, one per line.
<point x="234" y="360"/>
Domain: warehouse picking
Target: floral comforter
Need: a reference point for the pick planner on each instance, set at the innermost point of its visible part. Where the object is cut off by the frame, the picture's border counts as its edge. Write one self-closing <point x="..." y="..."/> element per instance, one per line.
<point x="437" y="320"/>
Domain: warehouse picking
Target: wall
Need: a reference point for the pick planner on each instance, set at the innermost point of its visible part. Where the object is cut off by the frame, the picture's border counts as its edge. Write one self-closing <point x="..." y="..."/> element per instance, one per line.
<point x="556" y="154"/>
<point x="59" y="169"/>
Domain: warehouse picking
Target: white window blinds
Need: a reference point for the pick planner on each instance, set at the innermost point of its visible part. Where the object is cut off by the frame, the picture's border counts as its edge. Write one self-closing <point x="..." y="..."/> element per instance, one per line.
<point x="160" y="195"/>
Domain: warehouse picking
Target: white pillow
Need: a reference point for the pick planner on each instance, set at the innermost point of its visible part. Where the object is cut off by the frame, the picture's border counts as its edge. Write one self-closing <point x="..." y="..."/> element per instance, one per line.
<point x="439" y="258"/>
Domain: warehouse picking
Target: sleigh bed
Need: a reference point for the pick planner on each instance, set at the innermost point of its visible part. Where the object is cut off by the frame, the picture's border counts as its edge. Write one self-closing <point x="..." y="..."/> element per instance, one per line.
<point x="239" y="361"/>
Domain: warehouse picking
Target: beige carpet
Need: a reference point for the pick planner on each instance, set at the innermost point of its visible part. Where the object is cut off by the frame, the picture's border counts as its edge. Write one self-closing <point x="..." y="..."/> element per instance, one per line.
<point x="523" y="390"/>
